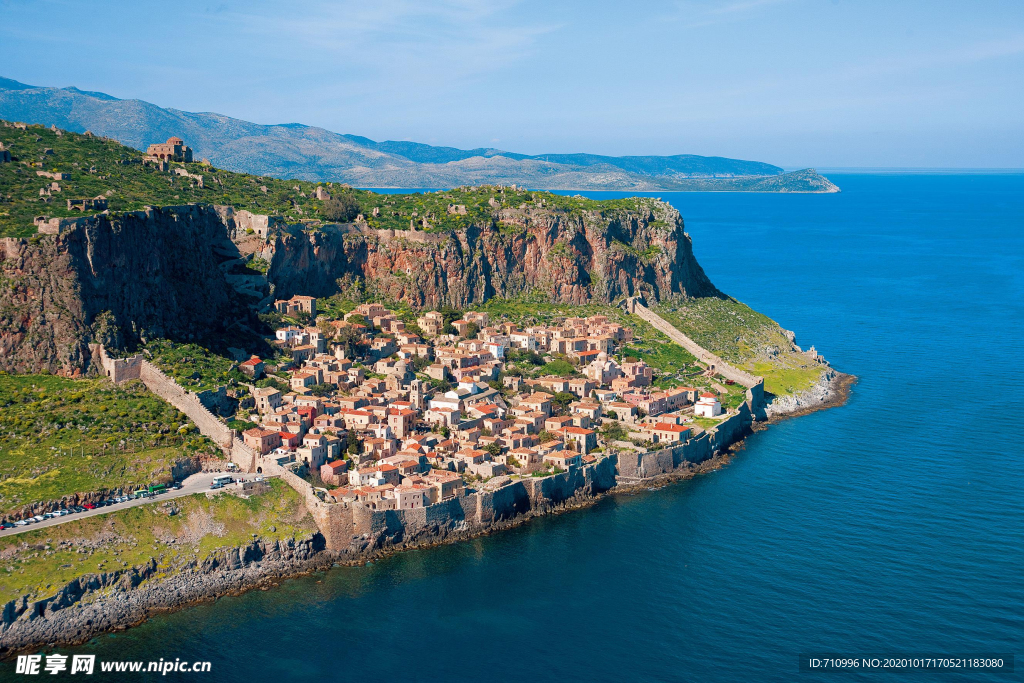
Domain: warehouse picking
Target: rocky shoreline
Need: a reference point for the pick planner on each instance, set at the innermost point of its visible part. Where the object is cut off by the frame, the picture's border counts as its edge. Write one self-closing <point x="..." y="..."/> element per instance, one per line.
<point x="99" y="603"/>
<point x="114" y="601"/>
<point x="95" y="604"/>
<point x="830" y="391"/>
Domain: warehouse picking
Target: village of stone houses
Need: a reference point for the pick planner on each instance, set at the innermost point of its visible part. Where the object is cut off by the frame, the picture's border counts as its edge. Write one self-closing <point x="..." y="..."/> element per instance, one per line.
<point x="405" y="418"/>
<point x="362" y="425"/>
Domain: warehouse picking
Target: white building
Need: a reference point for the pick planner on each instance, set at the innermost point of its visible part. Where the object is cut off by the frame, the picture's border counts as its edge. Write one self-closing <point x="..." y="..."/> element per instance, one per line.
<point x="523" y="340"/>
<point x="287" y="334"/>
<point x="707" y="406"/>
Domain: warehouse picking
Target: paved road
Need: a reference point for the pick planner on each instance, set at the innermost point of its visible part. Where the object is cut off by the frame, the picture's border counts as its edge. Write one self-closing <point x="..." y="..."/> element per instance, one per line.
<point x="194" y="484"/>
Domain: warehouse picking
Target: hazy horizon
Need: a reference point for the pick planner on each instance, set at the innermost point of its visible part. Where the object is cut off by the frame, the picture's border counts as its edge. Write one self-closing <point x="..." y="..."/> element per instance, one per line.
<point x="795" y="83"/>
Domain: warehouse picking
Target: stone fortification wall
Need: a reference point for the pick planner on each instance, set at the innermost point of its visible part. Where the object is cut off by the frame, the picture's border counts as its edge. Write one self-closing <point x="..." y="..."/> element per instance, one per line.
<point x="187" y="402"/>
<point x="634" y="466"/>
<point x="753" y="383"/>
<point x="353" y="529"/>
<point x="117" y="370"/>
<point x="721" y="367"/>
<point x="410" y="235"/>
<point x="137" y="367"/>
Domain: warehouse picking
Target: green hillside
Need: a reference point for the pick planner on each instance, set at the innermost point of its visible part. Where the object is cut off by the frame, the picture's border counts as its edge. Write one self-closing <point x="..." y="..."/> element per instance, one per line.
<point x="102" y="167"/>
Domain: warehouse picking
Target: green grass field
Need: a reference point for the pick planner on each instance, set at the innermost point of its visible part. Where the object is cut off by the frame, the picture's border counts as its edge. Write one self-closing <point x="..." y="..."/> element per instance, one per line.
<point x="745" y="338"/>
<point x="61" y="436"/>
<point x="38" y="562"/>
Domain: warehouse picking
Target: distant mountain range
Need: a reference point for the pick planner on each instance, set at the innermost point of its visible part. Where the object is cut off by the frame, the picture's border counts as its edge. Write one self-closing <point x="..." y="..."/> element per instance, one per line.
<point x="297" y="151"/>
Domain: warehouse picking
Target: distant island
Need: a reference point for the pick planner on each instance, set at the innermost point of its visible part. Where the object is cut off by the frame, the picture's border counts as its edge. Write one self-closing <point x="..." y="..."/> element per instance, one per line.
<point x="315" y="154"/>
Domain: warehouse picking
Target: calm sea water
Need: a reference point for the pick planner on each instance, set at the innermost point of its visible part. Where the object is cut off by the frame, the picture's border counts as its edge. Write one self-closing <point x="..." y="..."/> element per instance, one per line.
<point x="891" y="525"/>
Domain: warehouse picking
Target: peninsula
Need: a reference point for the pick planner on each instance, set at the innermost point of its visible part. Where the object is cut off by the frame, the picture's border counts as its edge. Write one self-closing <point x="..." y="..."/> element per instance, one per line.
<point x="353" y="373"/>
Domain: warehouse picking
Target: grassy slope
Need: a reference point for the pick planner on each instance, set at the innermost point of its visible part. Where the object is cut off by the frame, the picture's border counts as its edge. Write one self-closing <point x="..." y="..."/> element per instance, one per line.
<point x="745" y="338"/>
<point x="135" y="185"/>
<point x="192" y="366"/>
<point x="39" y="562"/>
<point x="43" y="418"/>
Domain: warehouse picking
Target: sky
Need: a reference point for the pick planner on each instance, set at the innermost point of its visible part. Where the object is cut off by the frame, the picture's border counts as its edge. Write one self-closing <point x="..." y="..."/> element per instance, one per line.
<point x="797" y="83"/>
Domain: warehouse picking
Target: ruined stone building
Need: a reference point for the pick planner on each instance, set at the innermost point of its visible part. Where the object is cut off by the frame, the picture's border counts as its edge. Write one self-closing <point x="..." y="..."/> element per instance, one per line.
<point x="174" y="149"/>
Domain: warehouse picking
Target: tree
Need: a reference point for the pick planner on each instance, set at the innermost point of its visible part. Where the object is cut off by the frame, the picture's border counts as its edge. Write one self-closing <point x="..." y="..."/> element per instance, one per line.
<point x="353" y="446"/>
<point x="342" y="207"/>
<point x="613" y="431"/>
<point x="545" y="436"/>
<point x="562" y="399"/>
<point x="494" y="449"/>
<point x="321" y="389"/>
<point x="348" y="337"/>
<point x="472" y="330"/>
<point x="323" y="323"/>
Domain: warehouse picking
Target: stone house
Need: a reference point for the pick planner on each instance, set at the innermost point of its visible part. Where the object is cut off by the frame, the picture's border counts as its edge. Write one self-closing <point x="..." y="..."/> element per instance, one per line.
<point x="585" y="440"/>
<point x="664" y="432"/>
<point x="174" y="149"/>
<point x="253" y="367"/>
<point x="267" y="399"/>
<point x="335" y="473"/>
<point x="261" y="440"/>
<point x="564" y="459"/>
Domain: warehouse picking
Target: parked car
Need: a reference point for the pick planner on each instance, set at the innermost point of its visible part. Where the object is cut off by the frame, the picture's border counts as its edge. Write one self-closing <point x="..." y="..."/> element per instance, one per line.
<point x="21" y="522"/>
<point x="176" y="485"/>
<point x="38" y="518"/>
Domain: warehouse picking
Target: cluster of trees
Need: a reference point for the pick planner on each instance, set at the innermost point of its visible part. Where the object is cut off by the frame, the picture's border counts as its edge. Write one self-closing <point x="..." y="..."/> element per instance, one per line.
<point x="342" y="207"/>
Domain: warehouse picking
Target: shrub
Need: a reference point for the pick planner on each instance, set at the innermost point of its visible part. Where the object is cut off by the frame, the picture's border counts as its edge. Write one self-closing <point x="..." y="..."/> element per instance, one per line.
<point x="342" y="207"/>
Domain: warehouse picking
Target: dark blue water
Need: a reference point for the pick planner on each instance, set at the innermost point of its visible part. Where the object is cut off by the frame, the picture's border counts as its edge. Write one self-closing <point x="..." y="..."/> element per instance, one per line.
<point x="891" y="525"/>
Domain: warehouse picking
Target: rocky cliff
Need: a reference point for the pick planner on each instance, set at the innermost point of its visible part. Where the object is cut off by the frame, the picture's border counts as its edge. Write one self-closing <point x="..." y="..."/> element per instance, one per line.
<point x="174" y="272"/>
<point x="113" y="280"/>
<point x="572" y="257"/>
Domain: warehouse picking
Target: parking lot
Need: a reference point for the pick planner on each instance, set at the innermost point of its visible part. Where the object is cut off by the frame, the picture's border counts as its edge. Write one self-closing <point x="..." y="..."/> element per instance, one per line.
<point x="197" y="483"/>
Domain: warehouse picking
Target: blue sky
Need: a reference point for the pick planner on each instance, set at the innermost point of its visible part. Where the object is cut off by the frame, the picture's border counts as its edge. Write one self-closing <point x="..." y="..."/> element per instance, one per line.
<point x="826" y="83"/>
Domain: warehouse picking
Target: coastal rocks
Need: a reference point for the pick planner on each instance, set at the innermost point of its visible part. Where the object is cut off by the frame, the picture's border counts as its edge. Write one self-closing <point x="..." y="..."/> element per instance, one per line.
<point x="94" y="603"/>
<point x="831" y="389"/>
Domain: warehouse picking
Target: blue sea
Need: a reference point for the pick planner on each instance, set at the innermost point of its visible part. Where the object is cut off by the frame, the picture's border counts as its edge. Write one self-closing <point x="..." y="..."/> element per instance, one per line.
<point x="892" y="525"/>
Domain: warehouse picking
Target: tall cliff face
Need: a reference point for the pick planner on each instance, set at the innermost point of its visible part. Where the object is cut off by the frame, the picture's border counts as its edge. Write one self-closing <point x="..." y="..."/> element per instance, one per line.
<point x="111" y="280"/>
<point x="174" y="272"/>
<point x="571" y="257"/>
